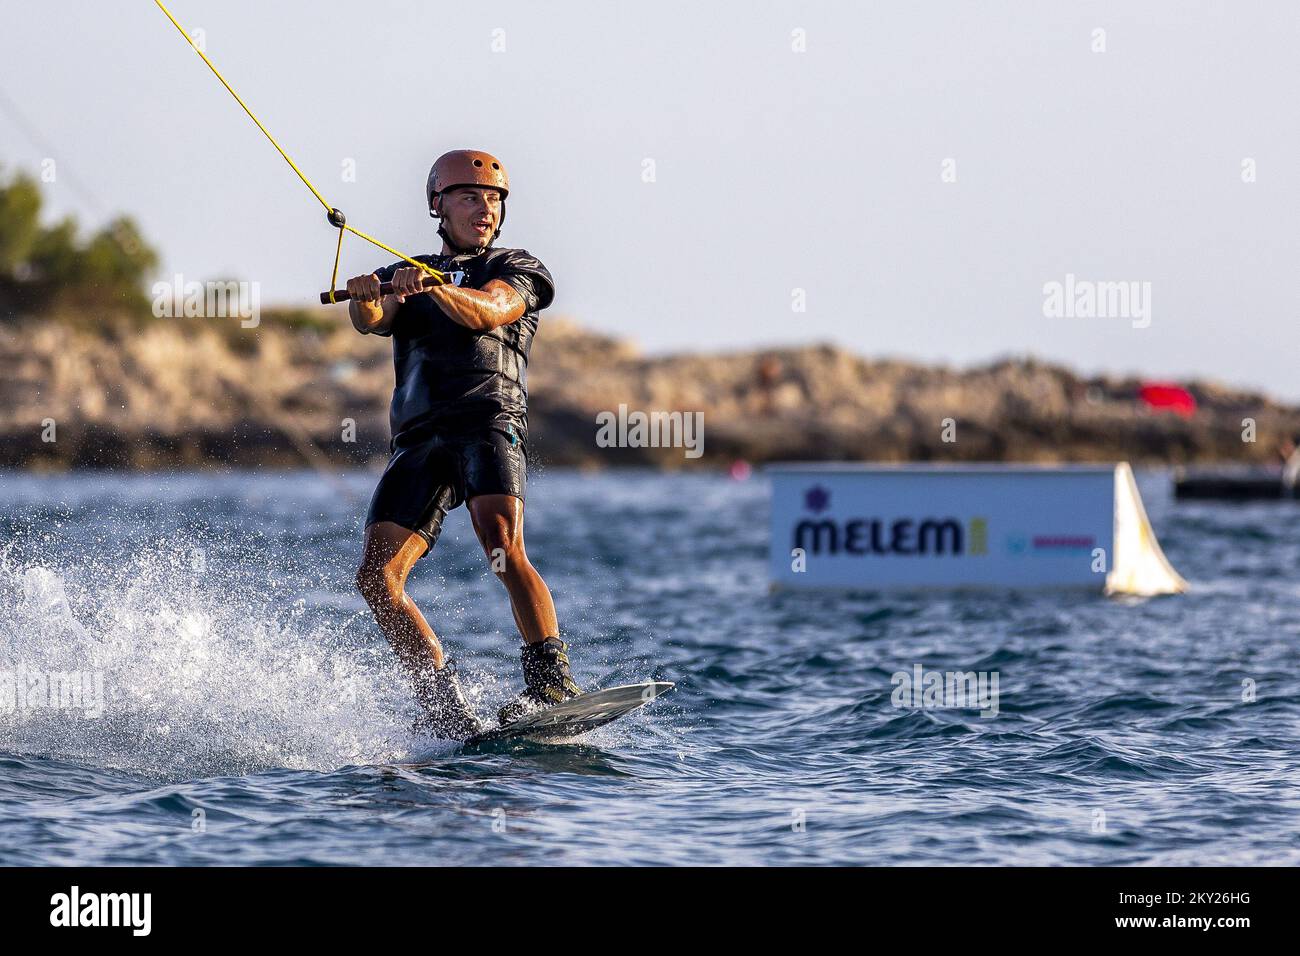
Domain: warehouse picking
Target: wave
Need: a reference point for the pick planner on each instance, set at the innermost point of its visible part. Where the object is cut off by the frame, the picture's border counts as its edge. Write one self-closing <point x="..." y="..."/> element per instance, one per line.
<point x="158" y="663"/>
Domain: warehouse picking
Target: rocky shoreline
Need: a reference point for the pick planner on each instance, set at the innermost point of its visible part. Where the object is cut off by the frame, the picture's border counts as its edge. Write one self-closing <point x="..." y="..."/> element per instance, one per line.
<point x="294" y="392"/>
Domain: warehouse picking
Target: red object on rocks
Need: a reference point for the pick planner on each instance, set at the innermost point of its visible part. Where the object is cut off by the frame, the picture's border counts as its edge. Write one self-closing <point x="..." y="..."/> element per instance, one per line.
<point x="1163" y="396"/>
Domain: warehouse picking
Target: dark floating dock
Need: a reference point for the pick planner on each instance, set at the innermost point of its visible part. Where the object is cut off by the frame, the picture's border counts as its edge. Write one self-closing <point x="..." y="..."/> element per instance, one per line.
<point x="1252" y="484"/>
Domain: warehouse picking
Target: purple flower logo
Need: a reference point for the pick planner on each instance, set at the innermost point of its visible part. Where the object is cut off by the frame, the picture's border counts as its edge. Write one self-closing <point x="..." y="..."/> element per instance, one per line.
<point x="816" y="499"/>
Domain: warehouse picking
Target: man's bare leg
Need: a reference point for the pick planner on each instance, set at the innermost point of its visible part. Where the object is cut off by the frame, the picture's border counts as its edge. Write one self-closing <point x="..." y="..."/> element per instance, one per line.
<point x="389" y="554"/>
<point x="499" y="524"/>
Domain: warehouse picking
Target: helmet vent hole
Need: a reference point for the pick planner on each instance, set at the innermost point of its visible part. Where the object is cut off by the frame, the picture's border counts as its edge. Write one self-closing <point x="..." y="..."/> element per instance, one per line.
<point x="478" y="162"/>
<point x="495" y="166"/>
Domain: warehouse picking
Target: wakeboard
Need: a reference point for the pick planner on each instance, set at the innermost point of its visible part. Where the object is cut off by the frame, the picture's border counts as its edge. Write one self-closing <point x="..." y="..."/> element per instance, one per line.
<point x="577" y="716"/>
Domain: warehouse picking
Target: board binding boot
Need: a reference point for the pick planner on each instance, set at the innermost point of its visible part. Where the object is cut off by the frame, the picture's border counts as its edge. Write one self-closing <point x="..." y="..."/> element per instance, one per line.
<point x="447" y="714"/>
<point x="547" y="680"/>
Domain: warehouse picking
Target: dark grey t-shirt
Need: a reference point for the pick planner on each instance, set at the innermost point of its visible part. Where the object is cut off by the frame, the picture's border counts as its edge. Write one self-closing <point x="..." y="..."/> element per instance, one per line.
<point x="448" y="373"/>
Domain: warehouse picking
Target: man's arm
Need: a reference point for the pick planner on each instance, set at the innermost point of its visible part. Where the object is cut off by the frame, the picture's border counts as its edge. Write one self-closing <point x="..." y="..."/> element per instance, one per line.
<point x="370" y="311"/>
<point x="494" y="305"/>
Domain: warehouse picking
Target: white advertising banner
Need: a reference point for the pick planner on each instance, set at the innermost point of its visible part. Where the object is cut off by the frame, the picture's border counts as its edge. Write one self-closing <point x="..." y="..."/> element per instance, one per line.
<point x="907" y="526"/>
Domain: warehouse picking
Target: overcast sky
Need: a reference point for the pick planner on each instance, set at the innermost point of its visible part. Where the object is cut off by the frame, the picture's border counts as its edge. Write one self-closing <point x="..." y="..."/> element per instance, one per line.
<point x="775" y="168"/>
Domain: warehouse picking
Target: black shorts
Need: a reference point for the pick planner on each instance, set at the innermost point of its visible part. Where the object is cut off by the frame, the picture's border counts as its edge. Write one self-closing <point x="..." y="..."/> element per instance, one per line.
<point x="438" y="469"/>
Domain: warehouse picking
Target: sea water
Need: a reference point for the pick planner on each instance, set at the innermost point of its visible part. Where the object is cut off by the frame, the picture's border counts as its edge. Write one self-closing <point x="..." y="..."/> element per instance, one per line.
<point x="187" y="676"/>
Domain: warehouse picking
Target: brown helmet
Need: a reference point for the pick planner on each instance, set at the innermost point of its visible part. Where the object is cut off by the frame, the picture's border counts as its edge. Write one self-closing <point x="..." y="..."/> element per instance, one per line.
<point x="466" y="167"/>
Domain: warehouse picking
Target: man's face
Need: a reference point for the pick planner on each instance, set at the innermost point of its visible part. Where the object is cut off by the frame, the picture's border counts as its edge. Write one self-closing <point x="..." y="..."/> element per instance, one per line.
<point x="471" y="214"/>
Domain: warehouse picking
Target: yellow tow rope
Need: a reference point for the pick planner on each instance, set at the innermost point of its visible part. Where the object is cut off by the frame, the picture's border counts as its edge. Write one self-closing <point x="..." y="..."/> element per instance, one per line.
<point x="334" y="215"/>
